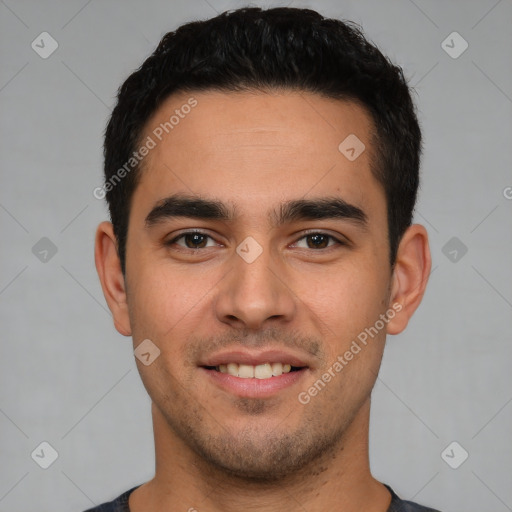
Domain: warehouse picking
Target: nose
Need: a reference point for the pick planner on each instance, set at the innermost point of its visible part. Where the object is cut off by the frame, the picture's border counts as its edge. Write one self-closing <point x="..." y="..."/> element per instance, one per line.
<point x="255" y="293"/>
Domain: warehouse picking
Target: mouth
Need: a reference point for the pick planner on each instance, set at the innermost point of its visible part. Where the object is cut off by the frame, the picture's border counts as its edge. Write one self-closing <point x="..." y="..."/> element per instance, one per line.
<point x="251" y="375"/>
<point x="260" y="371"/>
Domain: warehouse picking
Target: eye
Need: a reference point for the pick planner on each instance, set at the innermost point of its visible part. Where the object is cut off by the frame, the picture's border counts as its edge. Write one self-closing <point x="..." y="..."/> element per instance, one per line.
<point x="192" y="240"/>
<point x="318" y="240"/>
<point x="199" y="240"/>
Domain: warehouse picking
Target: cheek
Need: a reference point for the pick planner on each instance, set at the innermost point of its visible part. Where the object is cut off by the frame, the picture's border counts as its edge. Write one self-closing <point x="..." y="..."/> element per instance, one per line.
<point x="167" y="308"/>
<point x="162" y="300"/>
<point x="345" y="301"/>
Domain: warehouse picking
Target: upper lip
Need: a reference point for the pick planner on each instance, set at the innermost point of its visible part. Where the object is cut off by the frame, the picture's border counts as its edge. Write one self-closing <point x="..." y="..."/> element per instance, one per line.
<point x="253" y="358"/>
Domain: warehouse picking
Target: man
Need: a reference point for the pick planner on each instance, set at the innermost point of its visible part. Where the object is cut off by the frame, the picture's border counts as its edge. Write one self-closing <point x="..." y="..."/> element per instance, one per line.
<point x="261" y="171"/>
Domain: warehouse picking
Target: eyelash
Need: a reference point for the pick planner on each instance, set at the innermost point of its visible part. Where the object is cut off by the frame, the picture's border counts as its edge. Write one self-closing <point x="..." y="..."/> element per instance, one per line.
<point x="309" y="233"/>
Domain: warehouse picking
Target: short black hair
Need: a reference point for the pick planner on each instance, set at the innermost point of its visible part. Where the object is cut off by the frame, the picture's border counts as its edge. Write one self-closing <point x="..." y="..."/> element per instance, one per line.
<point x="267" y="49"/>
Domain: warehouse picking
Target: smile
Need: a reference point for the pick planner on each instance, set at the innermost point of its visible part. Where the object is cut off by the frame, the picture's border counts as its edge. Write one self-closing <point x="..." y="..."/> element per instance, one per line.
<point x="260" y="371"/>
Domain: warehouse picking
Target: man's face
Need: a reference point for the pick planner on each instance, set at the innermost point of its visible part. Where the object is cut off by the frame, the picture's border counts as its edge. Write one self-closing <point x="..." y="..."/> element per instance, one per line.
<point x="261" y="284"/>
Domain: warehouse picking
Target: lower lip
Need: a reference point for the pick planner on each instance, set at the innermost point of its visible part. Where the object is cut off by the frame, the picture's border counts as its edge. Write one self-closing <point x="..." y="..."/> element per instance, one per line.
<point x="254" y="388"/>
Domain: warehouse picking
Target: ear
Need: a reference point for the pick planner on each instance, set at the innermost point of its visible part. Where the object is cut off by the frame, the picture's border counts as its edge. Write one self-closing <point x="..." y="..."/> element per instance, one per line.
<point x="410" y="276"/>
<point x="111" y="277"/>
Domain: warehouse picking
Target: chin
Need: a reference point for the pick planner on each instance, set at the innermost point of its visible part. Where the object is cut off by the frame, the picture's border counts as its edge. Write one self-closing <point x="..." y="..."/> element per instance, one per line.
<point x="264" y="457"/>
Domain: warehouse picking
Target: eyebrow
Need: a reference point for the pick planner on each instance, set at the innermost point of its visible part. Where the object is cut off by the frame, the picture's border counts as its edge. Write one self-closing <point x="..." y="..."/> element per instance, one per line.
<point x="179" y="205"/>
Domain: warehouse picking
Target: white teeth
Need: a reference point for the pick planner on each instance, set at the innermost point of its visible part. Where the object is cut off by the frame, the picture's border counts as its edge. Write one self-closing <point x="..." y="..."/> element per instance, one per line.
<point x="233" y="369"/>
<point x="261" y="371"/>
<point x="245" y="371"/>
<point x="277" y="369"/>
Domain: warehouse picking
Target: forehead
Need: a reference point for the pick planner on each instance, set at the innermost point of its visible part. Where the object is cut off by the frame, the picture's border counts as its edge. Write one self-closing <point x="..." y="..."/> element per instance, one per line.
<point x="252" y="148"/>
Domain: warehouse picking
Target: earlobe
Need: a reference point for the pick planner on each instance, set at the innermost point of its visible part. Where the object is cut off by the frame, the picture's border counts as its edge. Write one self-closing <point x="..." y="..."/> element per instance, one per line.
<point x="111" y="277"/>
<point x="410" y="276"/>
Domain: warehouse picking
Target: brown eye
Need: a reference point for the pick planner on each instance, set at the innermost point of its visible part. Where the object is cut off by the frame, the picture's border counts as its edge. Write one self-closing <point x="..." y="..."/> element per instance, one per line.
<point x="318" y="241"/>
<point x="192" y="240"/>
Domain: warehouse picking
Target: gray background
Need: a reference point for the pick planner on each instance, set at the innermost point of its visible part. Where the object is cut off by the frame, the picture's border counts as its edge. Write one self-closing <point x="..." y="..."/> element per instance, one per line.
<point x="68" y="378"/>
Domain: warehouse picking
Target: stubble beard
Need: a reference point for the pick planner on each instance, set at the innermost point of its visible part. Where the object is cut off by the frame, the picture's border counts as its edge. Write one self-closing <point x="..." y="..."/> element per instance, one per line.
<point x="261" y="451"/>
<point x="255" y="454"/>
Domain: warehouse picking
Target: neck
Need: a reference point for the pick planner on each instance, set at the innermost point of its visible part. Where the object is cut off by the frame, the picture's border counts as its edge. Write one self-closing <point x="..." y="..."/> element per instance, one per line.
<point x="339" y="480"/>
